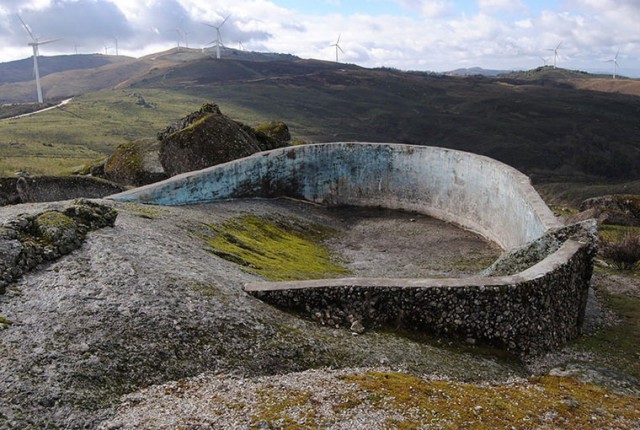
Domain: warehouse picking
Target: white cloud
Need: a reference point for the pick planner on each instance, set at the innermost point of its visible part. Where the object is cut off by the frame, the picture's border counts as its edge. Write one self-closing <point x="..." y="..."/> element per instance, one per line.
<point x="411" y="38"/>
<point x="500" y="5"/>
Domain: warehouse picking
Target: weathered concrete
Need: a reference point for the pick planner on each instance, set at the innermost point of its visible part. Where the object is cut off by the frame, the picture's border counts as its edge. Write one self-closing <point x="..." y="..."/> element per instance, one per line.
<point x="536" y="304"/>
<point x="32" y="189"/>
<point x="476" y="192"/>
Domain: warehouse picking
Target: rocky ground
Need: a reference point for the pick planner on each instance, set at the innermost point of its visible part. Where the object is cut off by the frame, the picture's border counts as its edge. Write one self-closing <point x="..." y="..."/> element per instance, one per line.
<point x="145" y="303"/>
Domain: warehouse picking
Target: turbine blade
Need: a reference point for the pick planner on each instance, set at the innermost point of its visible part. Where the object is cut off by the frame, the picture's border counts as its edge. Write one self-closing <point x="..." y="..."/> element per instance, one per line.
<point x="48" y="41"/>
<point x="616" y="57"/>
<point x="558" y="47"/>
<point x="339" y="36"/>
<point x="224" y="20"/>
<point x="338" y="46"/>
<point x="26" y="27"/>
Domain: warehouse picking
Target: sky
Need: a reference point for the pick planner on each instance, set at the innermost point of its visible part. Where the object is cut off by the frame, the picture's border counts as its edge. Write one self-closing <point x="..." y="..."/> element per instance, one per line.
<point x="426" y="35"/>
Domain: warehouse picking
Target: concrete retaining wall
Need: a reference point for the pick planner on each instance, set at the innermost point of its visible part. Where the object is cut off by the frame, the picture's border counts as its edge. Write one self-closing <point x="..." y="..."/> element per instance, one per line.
<point x="476" y="192"/>
<point x="536" y="309"/>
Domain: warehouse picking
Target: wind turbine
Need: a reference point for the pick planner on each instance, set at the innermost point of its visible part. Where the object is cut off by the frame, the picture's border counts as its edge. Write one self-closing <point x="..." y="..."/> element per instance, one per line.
<point x="544" y="60"/>
<point x="106" y="49"/>
<point x="218" y="40"/>
<point x="614" y="60"/>
<point x="35" y="45"/>
<point x="183" y="35"/>
<point x="555" y="54"/>
<point x="337" y="45"/>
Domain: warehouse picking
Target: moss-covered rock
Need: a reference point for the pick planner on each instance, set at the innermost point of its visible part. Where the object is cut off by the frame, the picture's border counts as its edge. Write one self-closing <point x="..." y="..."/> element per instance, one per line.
<point x="207" y="137"/>
<point x="135" y="163"/>
<point x="28" y="240"/>
<point x="620" y="209"/>
<point x="276" y="130"/>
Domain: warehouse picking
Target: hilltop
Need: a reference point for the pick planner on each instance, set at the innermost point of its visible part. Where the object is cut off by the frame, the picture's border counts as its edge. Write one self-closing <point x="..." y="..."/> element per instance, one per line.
<point x="555" y="125"/>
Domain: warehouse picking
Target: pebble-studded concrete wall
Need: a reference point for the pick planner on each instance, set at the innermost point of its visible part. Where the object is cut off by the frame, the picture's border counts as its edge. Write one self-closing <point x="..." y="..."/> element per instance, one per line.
<point x="536" y="304"/>
<point x="528" y="313"/>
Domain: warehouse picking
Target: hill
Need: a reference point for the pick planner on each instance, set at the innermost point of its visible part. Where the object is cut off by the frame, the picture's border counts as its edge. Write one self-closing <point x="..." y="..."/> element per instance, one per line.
<point x="555" y="125"/>
<point x="17" y="71"/>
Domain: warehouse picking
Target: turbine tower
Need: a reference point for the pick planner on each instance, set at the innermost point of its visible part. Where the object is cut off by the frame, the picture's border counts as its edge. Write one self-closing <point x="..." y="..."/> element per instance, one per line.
<point x="218" y="40"/>
<point x="35" y="45"/>
<point x="614" y="60"/>
<point x="182" y="35"/>
<point x="337" y="45"/>
<point x="555" y="54"/>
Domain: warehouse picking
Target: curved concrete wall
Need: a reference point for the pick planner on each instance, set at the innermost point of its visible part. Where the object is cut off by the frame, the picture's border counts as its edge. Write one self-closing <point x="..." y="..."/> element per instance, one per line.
<point x="476" y="192"/>
<point x="528" y="312"/>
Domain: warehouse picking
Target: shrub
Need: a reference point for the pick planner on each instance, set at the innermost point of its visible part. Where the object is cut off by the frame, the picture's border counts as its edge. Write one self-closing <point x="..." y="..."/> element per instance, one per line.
<point x="625" y="254"/>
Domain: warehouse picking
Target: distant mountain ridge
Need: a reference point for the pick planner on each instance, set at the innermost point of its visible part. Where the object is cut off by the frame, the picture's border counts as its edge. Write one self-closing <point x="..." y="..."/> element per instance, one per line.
<point x="476" y="71"/>
<point x="22" y="70"/>
<point x="548" y="122"/>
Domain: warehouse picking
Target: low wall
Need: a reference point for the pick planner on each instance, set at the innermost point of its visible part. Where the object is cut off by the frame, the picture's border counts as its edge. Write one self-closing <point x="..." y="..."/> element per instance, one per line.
<point x="33" y="189"/>
<point x="536" y="304"/>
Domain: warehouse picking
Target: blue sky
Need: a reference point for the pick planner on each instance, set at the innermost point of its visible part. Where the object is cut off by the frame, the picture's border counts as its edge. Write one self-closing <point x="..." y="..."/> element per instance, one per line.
<point x="432" y="35"/>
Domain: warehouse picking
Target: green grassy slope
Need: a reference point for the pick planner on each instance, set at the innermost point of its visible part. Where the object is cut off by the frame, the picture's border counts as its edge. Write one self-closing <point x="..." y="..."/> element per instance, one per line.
<point x="546" y="128"/>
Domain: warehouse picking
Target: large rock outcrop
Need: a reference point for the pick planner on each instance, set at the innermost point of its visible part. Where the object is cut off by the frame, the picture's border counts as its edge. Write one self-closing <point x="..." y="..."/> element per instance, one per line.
<point x="134" y="163"/>
<point x="207" y="137"/>
<point x="621" y="209"/>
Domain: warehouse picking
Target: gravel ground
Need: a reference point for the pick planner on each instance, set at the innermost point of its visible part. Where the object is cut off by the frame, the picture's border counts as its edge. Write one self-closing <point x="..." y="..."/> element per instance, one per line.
<point x="144" y="303"/>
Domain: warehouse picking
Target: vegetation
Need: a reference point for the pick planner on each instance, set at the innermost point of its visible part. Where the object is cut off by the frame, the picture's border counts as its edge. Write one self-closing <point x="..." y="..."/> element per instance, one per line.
<point x="409" y="402"/>
<point x="616" y="346"/>
<point x="624" y="254"/>
<point x="16" y="109"/>
<point x="279" y="250"/>
<point x="543" y="125"/>
<point x="88" y="128"/>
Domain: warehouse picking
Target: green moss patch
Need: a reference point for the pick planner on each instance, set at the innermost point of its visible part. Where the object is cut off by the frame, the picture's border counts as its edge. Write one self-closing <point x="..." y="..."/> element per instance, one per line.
<point x="53" y="225"/>
<point x="279" y="250"/>
<point x="541" y="402"/>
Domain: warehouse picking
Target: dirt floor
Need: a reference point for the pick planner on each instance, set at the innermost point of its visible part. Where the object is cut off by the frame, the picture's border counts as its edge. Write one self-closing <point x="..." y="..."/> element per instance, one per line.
<point x="380" y="242"/>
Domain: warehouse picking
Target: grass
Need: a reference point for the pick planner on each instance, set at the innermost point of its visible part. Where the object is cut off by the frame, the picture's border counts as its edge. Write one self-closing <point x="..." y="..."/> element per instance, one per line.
<point x="546" y="131"/>
<point x="279" y="250"/>
<point x="615" y="233"/>
<point x="617" y="346"/>
<point x="571" y="193"/>
<point x="86" y="129"/>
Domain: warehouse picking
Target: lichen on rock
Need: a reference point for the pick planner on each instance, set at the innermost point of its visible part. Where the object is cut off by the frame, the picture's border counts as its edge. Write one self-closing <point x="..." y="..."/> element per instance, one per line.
<point x="28" y="240"/>
<point x="207" y="137"/>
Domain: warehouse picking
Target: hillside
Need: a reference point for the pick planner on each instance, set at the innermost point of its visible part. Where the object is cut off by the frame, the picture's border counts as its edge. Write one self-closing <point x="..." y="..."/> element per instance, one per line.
<point x="18" y="71"/>
<point x="555" y="125"/>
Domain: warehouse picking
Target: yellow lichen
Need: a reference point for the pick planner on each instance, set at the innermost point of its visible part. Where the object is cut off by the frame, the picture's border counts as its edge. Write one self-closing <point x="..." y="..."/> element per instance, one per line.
<point x="285" y="409"/>
<point x="541" y="402"/>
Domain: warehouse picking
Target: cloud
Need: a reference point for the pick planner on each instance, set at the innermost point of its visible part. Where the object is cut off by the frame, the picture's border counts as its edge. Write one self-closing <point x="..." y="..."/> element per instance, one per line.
<point x="430" y="8"/>
<point x="500" y="5"/>
<point x="407" y="34"/>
